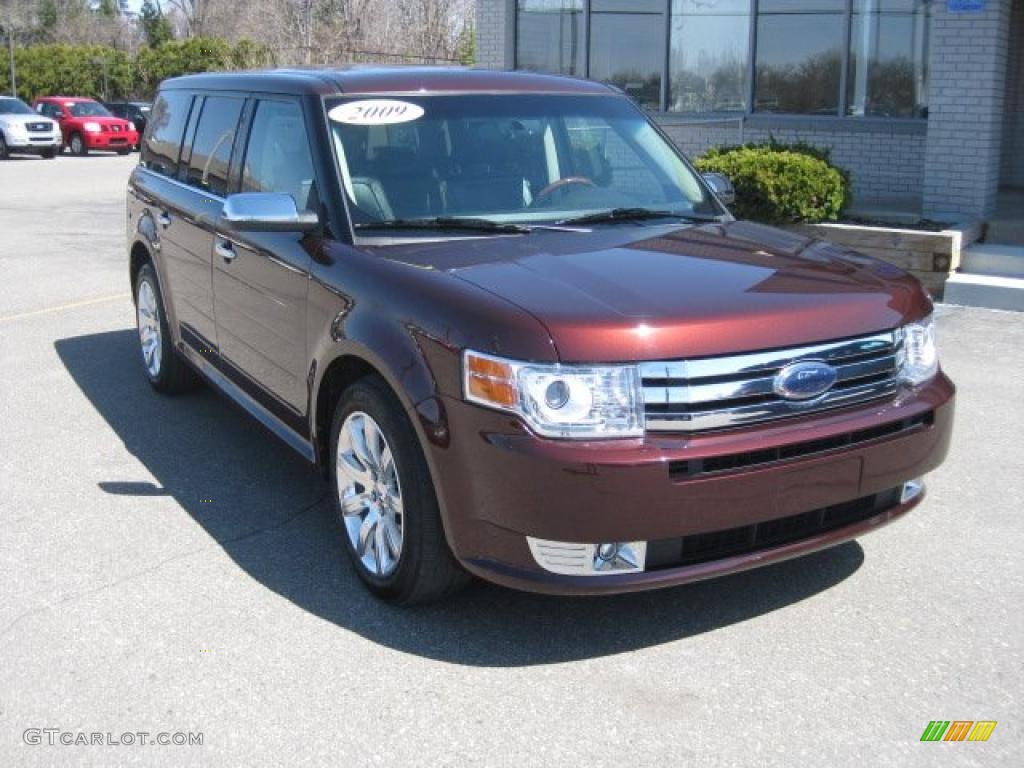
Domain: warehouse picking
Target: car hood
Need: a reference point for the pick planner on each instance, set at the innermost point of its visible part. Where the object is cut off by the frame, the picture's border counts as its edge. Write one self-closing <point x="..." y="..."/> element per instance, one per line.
<point x="642" y="292"/>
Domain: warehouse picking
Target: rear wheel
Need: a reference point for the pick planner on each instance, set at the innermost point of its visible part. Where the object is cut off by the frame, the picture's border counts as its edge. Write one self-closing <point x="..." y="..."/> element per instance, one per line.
<point x="78" y="145"/>
<point x="166" y="371"/>
<point x="384" y="501"/>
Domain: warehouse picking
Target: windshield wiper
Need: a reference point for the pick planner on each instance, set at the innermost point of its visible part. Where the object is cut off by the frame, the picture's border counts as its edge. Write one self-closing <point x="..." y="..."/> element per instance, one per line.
<point x="636" y="214"/>
<point x="447" y="222"/>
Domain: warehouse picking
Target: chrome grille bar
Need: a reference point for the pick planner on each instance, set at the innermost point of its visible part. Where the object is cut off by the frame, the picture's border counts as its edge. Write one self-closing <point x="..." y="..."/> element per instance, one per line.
<point x="722" y="392"/>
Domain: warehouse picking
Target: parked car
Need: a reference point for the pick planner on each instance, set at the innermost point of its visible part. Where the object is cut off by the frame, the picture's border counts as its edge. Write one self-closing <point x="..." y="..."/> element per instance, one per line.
<point x="23" y="131"/>
<point x="519" y="333"/>
<point x="135" y="111"/>
<point x="87" y="125"/>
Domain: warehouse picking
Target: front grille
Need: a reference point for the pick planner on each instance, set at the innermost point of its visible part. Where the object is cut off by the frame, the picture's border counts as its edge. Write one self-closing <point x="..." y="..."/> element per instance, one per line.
<point x="38" y="127"/>
<point x="722" y="392"/>
<point x="731" y="542"/>
<point x="688" y="469"/>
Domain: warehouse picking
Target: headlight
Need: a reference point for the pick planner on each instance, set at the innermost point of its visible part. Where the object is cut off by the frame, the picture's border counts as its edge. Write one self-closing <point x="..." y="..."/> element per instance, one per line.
<point x="920" y="359"/>
<point x="582" y="402"/>
<point x="91" y="128"/>
<point x="18" y="128"/>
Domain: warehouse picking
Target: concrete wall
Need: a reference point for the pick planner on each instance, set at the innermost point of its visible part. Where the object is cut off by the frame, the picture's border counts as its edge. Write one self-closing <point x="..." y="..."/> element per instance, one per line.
<point x="966" y="99"/>
<point x="1013" y="117"/>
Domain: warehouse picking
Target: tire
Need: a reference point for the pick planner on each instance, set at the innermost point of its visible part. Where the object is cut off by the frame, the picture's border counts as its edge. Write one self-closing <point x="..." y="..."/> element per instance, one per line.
<point x="424" y="569"/>
<point x="165" y="370"/>
<point x="4" y="153"/>
<point x="49" y="154"/>
<point x="78" y="146"/>
<point x="124" y="152"/>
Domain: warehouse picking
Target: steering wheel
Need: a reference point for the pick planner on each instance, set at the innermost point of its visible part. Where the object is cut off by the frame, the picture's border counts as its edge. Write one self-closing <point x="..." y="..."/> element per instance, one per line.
<point x="559" y="184"/>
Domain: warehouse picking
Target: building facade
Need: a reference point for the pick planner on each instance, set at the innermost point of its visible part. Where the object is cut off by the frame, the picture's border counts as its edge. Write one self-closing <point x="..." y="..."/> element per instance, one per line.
<point x="921" y="100"/>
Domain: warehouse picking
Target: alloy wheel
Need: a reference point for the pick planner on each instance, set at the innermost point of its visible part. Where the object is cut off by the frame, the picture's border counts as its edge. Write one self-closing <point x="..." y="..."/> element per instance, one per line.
<point x="370" y="494"/>
<point x="148" y="316"/>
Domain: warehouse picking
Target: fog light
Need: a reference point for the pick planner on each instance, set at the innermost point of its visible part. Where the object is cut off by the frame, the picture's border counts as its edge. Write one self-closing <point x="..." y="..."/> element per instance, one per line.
<point x="577" y="559"/>
<point x="911" y="490"/>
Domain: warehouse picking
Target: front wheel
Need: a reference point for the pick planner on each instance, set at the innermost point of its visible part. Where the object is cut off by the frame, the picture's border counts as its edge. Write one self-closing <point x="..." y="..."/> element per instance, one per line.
<point x="166" y="372"/>
<point x="4" y="153"/>
<point x="78" y="145"/>
<point x="384" y="500"/>
<point x="49" y="154"/>
<point x="124" y="152"/>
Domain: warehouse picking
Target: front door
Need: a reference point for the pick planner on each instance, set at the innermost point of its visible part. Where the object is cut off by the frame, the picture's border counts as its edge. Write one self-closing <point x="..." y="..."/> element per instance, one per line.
<point x="260" y="279"/>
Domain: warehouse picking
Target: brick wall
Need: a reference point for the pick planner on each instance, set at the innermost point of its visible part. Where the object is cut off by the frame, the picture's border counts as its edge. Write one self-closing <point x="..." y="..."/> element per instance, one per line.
<point x="495" y="33"/>
<point x="886" y="161"/>
<point x="967" y="93"/>
<point x="1013" y="116"/>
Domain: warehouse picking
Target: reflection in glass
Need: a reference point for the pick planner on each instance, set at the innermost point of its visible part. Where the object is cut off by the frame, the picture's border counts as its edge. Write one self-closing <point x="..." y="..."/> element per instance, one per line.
<point x="888" y="59"/>
<point x="627" y="50"/>
<point x="709" y="54"/>
<point x="798" y="65"/>
<point x="549" y="36"/>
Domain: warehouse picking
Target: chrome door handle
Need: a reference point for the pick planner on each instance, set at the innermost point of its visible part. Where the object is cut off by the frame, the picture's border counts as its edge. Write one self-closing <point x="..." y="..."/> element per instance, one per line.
<point x="165" y="219"/>
<point x="225" y="250"/>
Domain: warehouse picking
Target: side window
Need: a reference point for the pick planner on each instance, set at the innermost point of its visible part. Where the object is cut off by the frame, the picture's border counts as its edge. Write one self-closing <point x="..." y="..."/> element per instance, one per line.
<point x="162" y="145"/>
<point x="211" y="148"/>
<point x="277" y="158"/>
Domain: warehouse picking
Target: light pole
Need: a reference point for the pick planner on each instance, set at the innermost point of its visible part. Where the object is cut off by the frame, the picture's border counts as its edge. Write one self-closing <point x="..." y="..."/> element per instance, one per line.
<point x="10" y="50"/>
<point x="103" y="67"/>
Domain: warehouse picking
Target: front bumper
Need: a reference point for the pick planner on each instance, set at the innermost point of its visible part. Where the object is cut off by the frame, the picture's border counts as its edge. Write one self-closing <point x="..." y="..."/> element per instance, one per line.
<point x="498" y="484"/>
<point x="33" y="142"/>
<point x="111" y="140"/>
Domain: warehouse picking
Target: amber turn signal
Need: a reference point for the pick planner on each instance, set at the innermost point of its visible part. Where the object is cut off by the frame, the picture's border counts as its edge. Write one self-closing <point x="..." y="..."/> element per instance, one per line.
<point x="491" y="381"/>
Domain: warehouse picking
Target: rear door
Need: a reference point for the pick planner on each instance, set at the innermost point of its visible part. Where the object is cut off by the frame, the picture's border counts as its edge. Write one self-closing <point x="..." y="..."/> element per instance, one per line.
<point x="261" y="278"/>
<point x="193" y="208"/>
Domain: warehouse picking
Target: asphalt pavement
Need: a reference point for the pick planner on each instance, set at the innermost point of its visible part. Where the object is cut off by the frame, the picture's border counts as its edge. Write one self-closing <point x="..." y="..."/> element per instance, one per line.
<point x="166" y="567"/>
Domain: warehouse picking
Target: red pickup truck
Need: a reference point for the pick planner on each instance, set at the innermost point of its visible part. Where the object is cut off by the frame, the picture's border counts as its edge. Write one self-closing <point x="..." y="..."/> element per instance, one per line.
<point x="86" y="125"/>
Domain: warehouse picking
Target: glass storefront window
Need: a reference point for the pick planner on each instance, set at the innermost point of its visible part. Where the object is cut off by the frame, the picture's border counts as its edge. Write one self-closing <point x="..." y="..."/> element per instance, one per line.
<point x="549" y="36"/>
<point x="799" y="56"/>
<point x="804" y="52"/>
<point x="626" y="49"/>
<point x="710" y="44"/>
<point x="888" y="58"/>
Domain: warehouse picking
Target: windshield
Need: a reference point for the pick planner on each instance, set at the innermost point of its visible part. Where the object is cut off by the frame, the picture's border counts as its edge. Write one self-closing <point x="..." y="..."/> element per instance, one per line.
<point x="14" y="107"/>
<point x="88" y="109"/>
<point x="506" y="158"/>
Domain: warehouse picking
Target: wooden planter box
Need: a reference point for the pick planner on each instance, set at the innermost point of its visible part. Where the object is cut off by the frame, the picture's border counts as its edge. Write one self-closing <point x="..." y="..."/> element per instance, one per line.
<point x="929" y="256"/>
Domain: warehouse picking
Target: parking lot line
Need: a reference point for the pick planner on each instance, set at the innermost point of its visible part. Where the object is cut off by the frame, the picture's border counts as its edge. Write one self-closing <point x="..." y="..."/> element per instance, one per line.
<point x="63" y="307"/>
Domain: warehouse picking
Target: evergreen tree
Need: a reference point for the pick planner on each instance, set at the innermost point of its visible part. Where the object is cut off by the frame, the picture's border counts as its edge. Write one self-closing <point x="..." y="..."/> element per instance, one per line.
<point x="155" y="25"/>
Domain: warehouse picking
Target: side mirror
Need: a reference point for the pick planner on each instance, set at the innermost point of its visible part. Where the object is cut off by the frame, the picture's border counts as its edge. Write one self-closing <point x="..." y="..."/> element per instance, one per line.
<point x="266" y="212"/>
<point x="721" y="186"/>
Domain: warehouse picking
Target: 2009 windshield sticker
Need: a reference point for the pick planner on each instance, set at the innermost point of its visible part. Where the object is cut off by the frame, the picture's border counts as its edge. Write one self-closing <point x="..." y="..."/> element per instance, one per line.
<point x="375" y="112"/>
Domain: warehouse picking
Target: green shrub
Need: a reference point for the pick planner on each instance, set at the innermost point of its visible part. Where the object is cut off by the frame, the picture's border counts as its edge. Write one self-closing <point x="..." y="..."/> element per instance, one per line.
<point x="781" y="184"/>
<point x="99" y="70"/>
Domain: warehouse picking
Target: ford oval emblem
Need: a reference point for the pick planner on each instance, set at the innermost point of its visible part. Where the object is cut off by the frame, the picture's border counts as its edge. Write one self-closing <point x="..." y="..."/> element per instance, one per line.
<point x="804" y="380"/>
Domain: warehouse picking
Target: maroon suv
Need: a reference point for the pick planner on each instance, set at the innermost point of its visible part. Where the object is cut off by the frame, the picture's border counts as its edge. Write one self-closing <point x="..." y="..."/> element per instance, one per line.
<point x="520" y="334"/>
